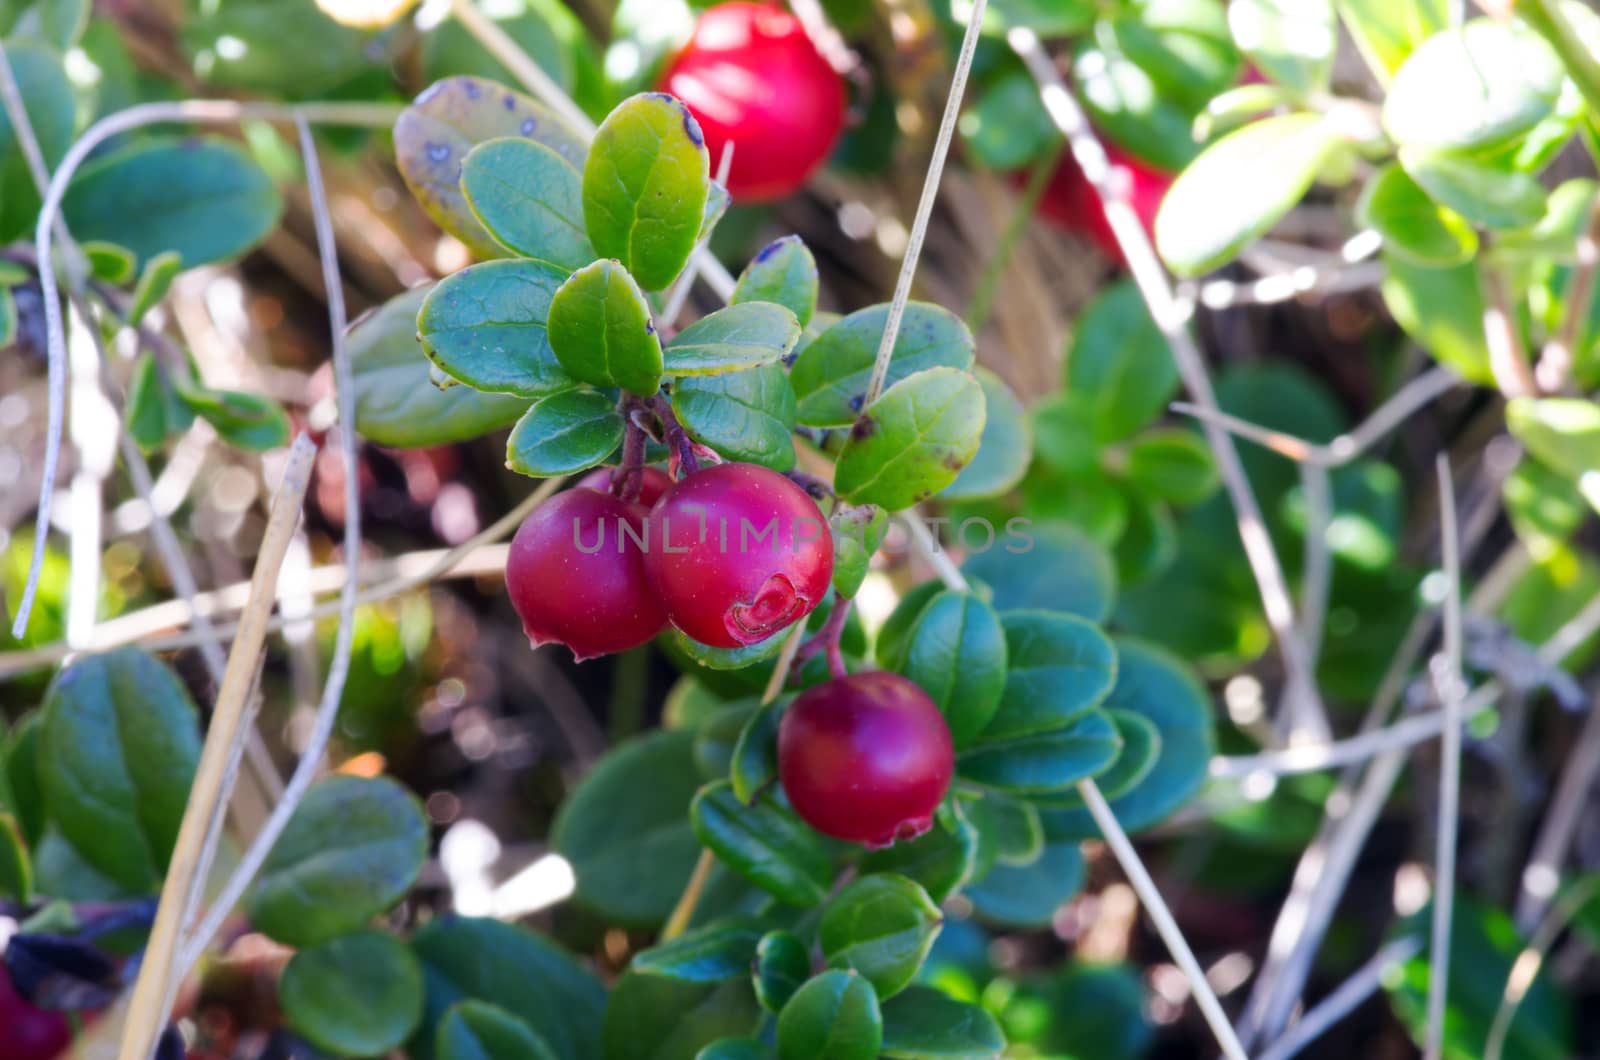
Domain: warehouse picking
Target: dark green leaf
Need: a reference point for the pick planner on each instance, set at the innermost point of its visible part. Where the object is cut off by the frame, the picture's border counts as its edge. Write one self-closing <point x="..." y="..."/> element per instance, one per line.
<point x="23" y="790"/>
<point x="782" y="964"/>
<point x="881" y="926"/>
<point x="913" y="441"/>
<point x="1053" y="567"/>
<point x="1141" y="746"/>
<point x="529" y="199"/>
<point x="895" y="636"/>
<point x="743" y="415"/>
<point x="1011" y="827"/>
<point x="1044" y="762"/>
<point x="1005" y="449"/>
<point x="645" y="186"/>
<point x="783" y="272"/>
<point x="830" y="375"/>
<point x="274" y="46"/>
<point x="835" y="1016"/>
<point x="940" y="859"/>
<point x="155" y="411"/>
<point x="601" y="331"/>
<point x="857" y="533"/>
<point x="740" y="336"/>
<point x="1149" y="541"/>
<point x="1006" y="127"/>
<point x="765" y="842"/>
<point x="1291" y="41"/>
<point x="155" y="279"/>
<point x="734" y="1049"/>
<point x="920" y="1023"/>
<point x="1080" y="1010"/>
<point x="47" y="96"/>
<point x="486" y="326"/>
<point x="118" y="747"/>
<point x="957" y="654"/>
<point x="710" y="954"/>
<point x="755" y="756"/>
<point x="1120" y="363"/>
<point x="1064" y="434"/>
<point x="477" y="1030"/>
<point x="1172" y="465"/>
<point x="717" y="737"/>
<point x="565" y="433"/>
<point x="357" y="995"/>
<point x="1483" y="194"/>
<point x="206" y="200"/>
<point x="243" y="419"/>
<point x="1028" y="896"/>
<point x="61" y="871"/>
<point x="16" y="868"/>
<point x="1058" y="667"/>
<point x="353" y="848"/>
<point x="653" y="1017"/>
<point x="1412" y="224"/>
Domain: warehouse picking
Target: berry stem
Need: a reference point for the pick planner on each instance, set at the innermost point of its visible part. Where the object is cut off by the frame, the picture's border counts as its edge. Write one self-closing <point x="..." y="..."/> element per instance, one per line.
<point x="813" y="485"/>
<point x="677" y="438"/>
<point x="827" y="640"/>
<point x="629" y="478"/>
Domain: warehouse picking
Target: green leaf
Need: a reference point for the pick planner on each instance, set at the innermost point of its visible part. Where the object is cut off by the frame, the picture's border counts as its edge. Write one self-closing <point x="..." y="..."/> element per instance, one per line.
<point x="755" y="755"/>
<point x="243" y="419"/>
<point x="1472" y="89"/>
<point x="783" y="272"/>
<point x="23" y="791"/>
<point x="108" y="262"/>
<point x="1011" y="827"/>
<point x="16" y="868"/>
<point x="155" y="411"/>
<point x="1059" y="667"/>
<point x="476" y="1030"/>
<point x="48" y="98"/>
<point x="1291" y="41"/>
<point x="1545" y="507"/>
<point x="58" y="23"/>
<point x="1563" y="433"/>
<point x="1239" y="188"/>
<point x="449" y="48"/>
<point x="717" y="738"/>
<point x="913" y="441"/>
<point x="1387" y="31"/>
<point x="601" y="332"/>
<point x="734" y="1049"/>
<point x="1056" y="568"/>
<point x="1442" y="309"/>
<point x="486" y="326"/>
<point x="1149" y="541"/>
<point x="940" y="859"/>
<point x="529" y="199"/>
<point x="118" y="747"/>
<point x="722" y="950"/>
<point x="783" y="964"/>
<point x="1047" y="18"/>
<point x="834" y="1016"/>
<point x="920" y="1023"/>
<point x="565" y="433"/>
<point x="1028" y="896"/>
<point x="744" y="415"/>
<point x="205" y="200"/>
<point x="1124" y="99"/>
<point x="895" y="635"/>
<point x="352" y="850"/>
<point x="486" y="960"/>
<point x="830" y="375"/>
<point x="740" y="336"/>
<point x="1006" y="127"/>
<point x="155" y="279"/>
<point x="1064" y="434"/>
<point x="765" y="843"/>
<point x="1120" y="363"/>
<point x="356" y="995"/>
<point x="1173" y="465"/>
<point x="434" y="135"/>
<point x="645" y="186"/>
<point x="1182" y="45"/>
<point x="275" y="46"/>
<point x="1140" y="747"/>
<point x="1412" y="224"/>
<point x="1080" y="1010"/>
<point x="1483" y="194"/>
<point x="612" y="823"/>
<point x="1044" y="762"/>
<point x="1005" y="449"/>
<point x="881" y="926"/>
<point x="857" y="533"/>
<point x="711" y="658"/>
<point x="957" y="655"/>
<point x="61" y="871"/>
<point x="1157" y="686"/>
<point x="8" y="318"/>
<point x="653" y="1017"/>
<point x="396" y="403"/>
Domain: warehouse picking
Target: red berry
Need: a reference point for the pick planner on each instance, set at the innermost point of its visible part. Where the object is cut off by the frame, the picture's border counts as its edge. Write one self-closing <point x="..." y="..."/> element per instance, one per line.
<point x="576" y="575"/>
<point x="1070" y="200"/>
<point x="28" y="1033"/>
<point x="865" y="758"/>
<point x="737" y="553"/>
<point x="753" y="78"/>
<point x="652" y="485"/>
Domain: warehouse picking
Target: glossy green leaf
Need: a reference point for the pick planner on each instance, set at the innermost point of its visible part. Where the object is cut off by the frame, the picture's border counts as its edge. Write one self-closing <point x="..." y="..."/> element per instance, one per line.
<point x="830" y="375"/>
<point x="653" y="1017"/>
<point x="356" y="995"/>
<point x="1473" y="88"/>
<point x="920" y="1023"/>
<point x="612" y="822"/>
<point x="1012" y="829"/>
<point x="764" y="842"/>
<point x="835" y="1016"/>
<point x="1412" y="224"/>
<point x="1239" y="188"/>
<point x="155" y="279"/>
<point x="529" y="199"/>
<point x="722" y="950"/>
<point x="913" y="441"/>
<point x="1483" y="194"/>
<point x="1049" y="566"/>
<point x="486" y="326"/>
<point x="881" y="926"/>
<point x="1044" y="762"/>
<point x="744" y="415"/>
<point x="783" y="964"/>
<point x="1006" y="126"/>
<point x="957" y="655"/>
<point x="739" y="658"/>
<point x="242" y="418"/>
<point x="1291" y="41"/>
<point x="155" y="411"/>
<point x="23" y="790"/>
<point x="601" y="331"/>
<point x="434" y="135"/>
<point x="1047" y="18"/>
<point x="1159" y="687"/>
<point x="117" y="751"/>
<point x="1059" y="667"/>
<point x="1387" y="31"/>
<point x="1120" y="363"/>
<point x="645" y="185"/>
<point x="755" y="755"/>
<point x="565" y="433"/>
<point x="738" y="337"/>
<point x="48" y="99"/>
<point x="895" y="634"/>
<point x="1028" y="896"/>
<point x="1442" y="309"/>
<point x="1004" y="450"/>
<point x="353" y="848"/>
<point x="477" y="1030"/>
<point x="1172" y="465"/>
<point x="465" y="958"/>
<point x="206" y="200"/>
<point x="1140" y="747"/>
<point x="783" y="272"/>
<point x="940" y="860"/>
<point x="108" y="262"/>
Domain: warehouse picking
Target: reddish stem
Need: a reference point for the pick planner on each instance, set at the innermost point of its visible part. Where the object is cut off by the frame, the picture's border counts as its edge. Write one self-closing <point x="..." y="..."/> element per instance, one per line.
<point x="677" y="438"/>
<point x="827" y="640"/>
<point x="628" y="480"/>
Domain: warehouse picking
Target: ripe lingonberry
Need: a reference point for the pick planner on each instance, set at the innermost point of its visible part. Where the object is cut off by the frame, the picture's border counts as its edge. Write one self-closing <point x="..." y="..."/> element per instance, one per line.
<point x="737" y="553"/>
<point x="865" y="757"/>
<point x="753" y="78"/>
<point x="576" y="576"/>
<point x="653" y="483"/>
<point x="28" y="1033"/>
<point x="1072" y="202"/>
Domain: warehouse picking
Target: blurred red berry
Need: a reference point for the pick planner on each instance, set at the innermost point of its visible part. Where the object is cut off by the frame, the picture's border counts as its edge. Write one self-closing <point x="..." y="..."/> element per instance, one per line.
<point x="28" y="1033"/>
<point x="1071" y="201"/>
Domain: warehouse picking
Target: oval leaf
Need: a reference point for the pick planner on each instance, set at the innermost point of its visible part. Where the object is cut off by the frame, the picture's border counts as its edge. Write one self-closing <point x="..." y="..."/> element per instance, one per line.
<point x="1058" y="667"/>
<point x="881" y="926"/>
<point x="746" y="415"/>
<point x="830" y="375"/>
<point x="1141" y="746"/>
<point x="1483" y="194"/>
<point x="940" y="860"/>
<point x="565" y="433"/>
<point x="1050" y="566"/>
<point x="920" y="1023"/>
<point x="711" y="954"/>
<point x="783" y="272"/>
<point x="601" y="331"/>
<point x="357" y="995"/>
<point x="51" y="104"/>
<point x="957" y="654"/>
<point x="834" y="1016"/>
<point x="1028" y="896"/>
<point x="1172" y="465"/>
<point x="765" y="842"/>
<point x="486" y="326"/>
<point x="1046" y="761"/>
<point x="653" y="1017"/>
<point x="1291" y="41"/>
<point x="1004" y="450"/>
<point x="476" y="1030"/>
<point x="1412" y="224"/>
<point x="782" y="964"/>
<point x="740" y="336"/>
<point x="529" y="199"/>
<point x="1120" y="364"/>
<point x="913" y="441"/>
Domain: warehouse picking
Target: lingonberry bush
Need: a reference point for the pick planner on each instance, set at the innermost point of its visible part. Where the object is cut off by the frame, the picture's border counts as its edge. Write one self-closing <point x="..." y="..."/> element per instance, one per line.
<point x="885" y="653"/>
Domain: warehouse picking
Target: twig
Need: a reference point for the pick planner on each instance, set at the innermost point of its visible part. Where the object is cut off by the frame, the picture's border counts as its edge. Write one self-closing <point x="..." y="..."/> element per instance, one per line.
<point x="339" y="663"/>
<point x="1555" y="363"/>
<point x="1543" y="872"/>
<point x="1317" y="569"/>
<point x="935" y="553"/>
<point x="1508" y="361"/>
<point x="1449" y="682"/>
<point x="930" y="192"/>
<point x="1525" y="969"/>
<point x="1171" y="317"/>
<point x="1284" y="286"/>
<point x="148" y="1012"/>
<point x="826" y="640"/>
<point x="1362" y="984"/>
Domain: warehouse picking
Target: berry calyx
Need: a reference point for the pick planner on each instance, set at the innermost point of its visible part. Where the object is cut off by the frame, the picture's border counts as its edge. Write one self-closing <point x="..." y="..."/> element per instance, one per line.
<point x="575" y="574"/>
<point x="738" y="552"/>
<point x="653" y="483"/>
<point x="752" y="78"/>
<point x="865" y="758"/>
<point x="28" y="1033"/>
<point x="1071" y="201"/>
